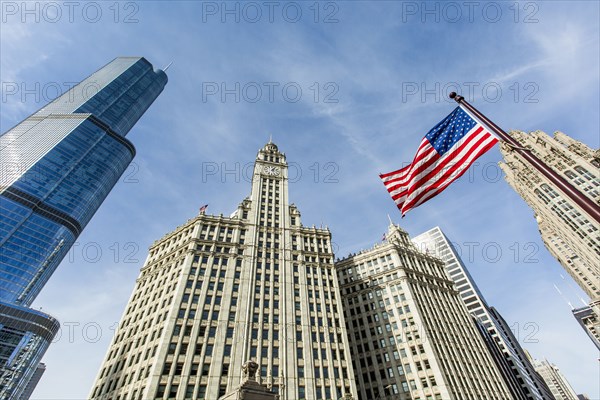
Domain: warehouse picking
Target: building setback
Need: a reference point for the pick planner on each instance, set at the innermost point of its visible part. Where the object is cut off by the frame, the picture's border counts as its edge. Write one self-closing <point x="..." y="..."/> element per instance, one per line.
<point x="567" y="231"/>
<point x="37" y="375"/>
<point x="590" y="322"/>
<point x="58" y="166"/>
<point x="410" y="333"/>
<point x="558" y="384"/>
<point x="219" y="291"/>
<point x="520" y="376"/>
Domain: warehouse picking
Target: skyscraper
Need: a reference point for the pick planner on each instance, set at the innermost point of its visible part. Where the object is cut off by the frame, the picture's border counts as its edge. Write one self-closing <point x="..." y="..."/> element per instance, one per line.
<point x="570" y="235"/>
<point x="37" y="375"/>
<point x="25" y="335"/>
<point x="412" y="335"/>
<point x="219" y="291"/>
<point x="58" y="166"/>
<point x="514" y="354"/>
<point x="519" y="374"/>
<point x="590" y="322"/>
<point x="558" y="384"/>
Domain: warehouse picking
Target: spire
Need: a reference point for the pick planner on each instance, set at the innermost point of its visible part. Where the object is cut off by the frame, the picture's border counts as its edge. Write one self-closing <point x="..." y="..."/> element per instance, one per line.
<point x="270" y="147"/>
<point x="167" y="67"/>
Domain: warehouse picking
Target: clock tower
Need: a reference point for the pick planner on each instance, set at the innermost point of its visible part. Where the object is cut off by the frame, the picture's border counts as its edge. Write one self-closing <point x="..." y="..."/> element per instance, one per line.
<point x="270" y="186"/>
<point x="219" y="291"/>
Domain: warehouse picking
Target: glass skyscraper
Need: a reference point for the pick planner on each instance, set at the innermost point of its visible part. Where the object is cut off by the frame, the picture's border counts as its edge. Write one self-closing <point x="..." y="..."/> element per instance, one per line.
<point x="58" y="166"/>
<point x="518" y="373"/>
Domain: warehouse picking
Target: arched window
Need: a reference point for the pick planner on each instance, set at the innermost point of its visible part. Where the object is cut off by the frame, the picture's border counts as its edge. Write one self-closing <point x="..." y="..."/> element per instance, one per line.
<point x="548" y="190"/>
<point x="542" y="196"/>
<point x="587" y="175"/>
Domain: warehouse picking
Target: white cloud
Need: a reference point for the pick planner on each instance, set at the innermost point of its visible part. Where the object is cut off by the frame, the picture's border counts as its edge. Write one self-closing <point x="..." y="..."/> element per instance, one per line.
<point x="369" y="54"/>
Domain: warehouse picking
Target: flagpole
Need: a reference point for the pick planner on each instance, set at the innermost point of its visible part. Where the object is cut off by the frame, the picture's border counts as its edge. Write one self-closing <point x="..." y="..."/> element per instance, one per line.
<point x="591" y="208"/>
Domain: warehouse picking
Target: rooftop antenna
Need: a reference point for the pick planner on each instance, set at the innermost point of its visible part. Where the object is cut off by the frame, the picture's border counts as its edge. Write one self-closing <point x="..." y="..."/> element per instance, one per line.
<point x="390" y="219"/>
<point x="270" y="138"/>
<point x="573" y="289"/>
<point x="167" y="67"/>
<point x="563" y="297"/>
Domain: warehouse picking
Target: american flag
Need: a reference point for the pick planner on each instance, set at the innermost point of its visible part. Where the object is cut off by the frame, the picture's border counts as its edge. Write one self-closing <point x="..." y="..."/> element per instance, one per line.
<point x="445" y="153"/>
<point x="203" y="208"/>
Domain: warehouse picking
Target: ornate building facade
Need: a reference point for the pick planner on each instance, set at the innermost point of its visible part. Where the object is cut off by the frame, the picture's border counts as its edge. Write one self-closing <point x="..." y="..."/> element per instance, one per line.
<point x="570" y="235"/>
<point x="520" y="376"/>
<point x="219" y="291"/>
<point x="411" y="334"/>
<point x="590" y="322"/>
<point x="558" y="384"/>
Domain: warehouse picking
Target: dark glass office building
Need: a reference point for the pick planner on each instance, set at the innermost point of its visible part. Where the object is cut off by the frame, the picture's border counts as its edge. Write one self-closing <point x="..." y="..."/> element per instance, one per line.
<point x="58" y="167"/>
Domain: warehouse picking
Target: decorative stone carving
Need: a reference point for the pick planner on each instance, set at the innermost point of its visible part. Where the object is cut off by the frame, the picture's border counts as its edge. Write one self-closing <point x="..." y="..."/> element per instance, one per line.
<point x="249" y="368"/>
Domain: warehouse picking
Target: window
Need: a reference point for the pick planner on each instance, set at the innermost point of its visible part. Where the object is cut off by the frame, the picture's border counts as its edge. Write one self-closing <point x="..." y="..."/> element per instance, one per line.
<point x="189" y="391"/>
<point x="166" y="368"/>
<point x="172" y="347"/>
<point x="179" y="369"/>
<point x="205" y="369"/>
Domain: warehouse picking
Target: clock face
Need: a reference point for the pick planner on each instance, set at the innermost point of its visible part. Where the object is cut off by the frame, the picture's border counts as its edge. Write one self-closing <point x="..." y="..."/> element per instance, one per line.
<point x="270" y="170"/>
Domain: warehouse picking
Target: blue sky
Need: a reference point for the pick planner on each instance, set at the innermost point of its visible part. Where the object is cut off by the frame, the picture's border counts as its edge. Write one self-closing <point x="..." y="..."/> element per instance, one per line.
<point x="374" y="77"/>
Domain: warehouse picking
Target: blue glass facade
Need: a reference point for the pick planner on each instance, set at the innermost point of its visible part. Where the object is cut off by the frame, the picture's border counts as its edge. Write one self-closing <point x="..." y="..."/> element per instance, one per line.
<point x="25" y="335"/>
<point x="62" y="162"/>
<point x="62" y="183"/>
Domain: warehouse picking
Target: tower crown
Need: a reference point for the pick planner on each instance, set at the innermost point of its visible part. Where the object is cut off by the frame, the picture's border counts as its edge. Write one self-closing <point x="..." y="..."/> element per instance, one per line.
<point x="270" y="152"/>
<point x="271" y="147"/>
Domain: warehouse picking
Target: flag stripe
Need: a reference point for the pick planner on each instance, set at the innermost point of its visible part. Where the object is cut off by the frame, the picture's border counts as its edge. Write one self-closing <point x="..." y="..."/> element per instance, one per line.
<point x="423" y="153"/>
<point x="440" y="185"/>
<point x="385" y="177"/>
<point x="430" y="161"/>
<point x="448" y="176"/>
<point x="457" y="152"/>
<point x="438" y="163"/>
<point x="444" y="155"/>
<point x="431" y="175"/>
<point x="421" y="148"/>
<point x="441" y="188"/>
<point x="424" y="161"/>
